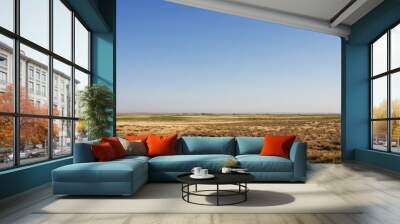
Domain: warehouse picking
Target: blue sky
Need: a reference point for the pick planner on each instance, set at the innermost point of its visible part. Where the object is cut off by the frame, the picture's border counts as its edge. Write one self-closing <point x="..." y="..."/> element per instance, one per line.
<point x="174" y="58"/>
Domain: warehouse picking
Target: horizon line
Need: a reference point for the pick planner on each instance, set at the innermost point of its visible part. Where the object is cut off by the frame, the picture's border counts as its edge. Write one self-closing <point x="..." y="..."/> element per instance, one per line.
<point x="224" y="113"/>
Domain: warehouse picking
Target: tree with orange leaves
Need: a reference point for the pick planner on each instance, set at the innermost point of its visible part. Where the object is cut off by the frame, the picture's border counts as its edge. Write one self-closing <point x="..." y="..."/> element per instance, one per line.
<point x="33" y="130"/>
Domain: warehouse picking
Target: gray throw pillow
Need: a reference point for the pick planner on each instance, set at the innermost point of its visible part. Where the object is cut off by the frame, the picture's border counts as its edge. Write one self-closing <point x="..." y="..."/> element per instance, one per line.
<point x="135" y="147"/>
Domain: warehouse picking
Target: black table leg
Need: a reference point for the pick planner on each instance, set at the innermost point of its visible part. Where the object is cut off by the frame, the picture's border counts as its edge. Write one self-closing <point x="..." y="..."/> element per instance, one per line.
<point x="217" y="194"/>
<point x="188" y="190"/>
<point x="195" y="188"/>
<point x="245" y="193"/>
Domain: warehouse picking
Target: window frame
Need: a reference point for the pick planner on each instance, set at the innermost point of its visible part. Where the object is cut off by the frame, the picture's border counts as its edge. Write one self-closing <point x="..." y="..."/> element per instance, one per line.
<point x="16" y="114"/>
<point x="388" y="74"/>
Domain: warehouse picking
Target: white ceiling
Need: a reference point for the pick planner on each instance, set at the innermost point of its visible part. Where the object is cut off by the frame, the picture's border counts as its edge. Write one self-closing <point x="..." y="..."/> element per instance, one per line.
<point x="319" y="9"/>
<point x="317" y="15"/>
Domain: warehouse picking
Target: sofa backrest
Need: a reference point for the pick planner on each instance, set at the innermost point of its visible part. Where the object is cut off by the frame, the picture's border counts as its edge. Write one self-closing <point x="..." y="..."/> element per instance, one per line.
<point x="206" y="145"/>
<point x="249" y="145"/>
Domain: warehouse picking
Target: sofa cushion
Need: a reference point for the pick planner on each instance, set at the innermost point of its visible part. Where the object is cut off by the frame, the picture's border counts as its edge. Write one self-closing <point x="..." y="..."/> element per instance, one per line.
<point x="257" y="163"/>
<point x="112" y="171"/>
<point x="103" y="152"/>
<point x="134" y="147"/>
<point x="207" y="145"/>
<point x="249" y="145"/>
<point x="275" y="145"/>
<point x="161" y="145"/>
<point x="116" y="145"/>
<point x="185" y="163"/>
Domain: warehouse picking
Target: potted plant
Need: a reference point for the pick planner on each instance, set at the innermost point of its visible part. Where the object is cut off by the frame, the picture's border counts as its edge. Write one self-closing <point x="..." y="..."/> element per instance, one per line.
<point x="96" y="103"/>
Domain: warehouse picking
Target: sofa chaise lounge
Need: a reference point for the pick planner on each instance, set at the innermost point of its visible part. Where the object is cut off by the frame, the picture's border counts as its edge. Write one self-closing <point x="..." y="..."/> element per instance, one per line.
<point x="125" y="176"/>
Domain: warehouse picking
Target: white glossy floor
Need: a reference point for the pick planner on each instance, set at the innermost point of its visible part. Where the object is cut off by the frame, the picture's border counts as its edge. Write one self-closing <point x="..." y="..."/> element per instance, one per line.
<point x="378" y="189"/>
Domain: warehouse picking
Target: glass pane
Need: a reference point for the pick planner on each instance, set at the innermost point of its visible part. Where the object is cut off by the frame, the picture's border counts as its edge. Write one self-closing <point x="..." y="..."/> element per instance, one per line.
<point x="7" y="14"/>
<point x="379" y="98"/>
<point x="62" y="138"/>
<point x="81" y="45"/>
<point x="62" y="29"/>
<point x="395" y="47"/>
<point x="395" y="94"/>
<point x="35" y="21"/>
<point x="6" y="142"/>
<point x="379" y="55"/>
<point x="6" y="74"/>
<point x="34" y="97"/>
<point x="62" y="89"/>
<point x="379" y="135"/>
<point x="81" y="131"/>
<point x="81" y="82"/>
<point x="395" y="136"/>
<point x="33" y="140"/>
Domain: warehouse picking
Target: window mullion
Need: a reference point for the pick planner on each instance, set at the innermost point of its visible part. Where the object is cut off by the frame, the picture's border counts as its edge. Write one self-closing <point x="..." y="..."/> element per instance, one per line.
<point x="16" y="84"/>
<point x="50" y="81"/>
<point x="389" y="106"/>
<point x="73" y="81"/>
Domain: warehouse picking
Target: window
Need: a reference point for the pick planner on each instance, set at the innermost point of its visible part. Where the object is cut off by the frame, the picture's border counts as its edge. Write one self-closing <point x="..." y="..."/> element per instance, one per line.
<point x="62" y="137"/>
<point x="62" y="29"/>
<point x="81" y="45"/>
<point x="81" y="82"/>
<point x="45" y="131"/>
<point x="6" y="142"/>
<point x="6" y="73"/>
<point x="7" y="14"/>
<point x="33" y="143"/>
<point x="30" y="87"/>
<point x="37" y="89"/>
<point x="43" y="90"/>
<point x="3" y="72"/>
<point x="37" y="75"/>
<point x="31" y="76"/>
<point x="3" y="61"/>
<point x="385" y="92"/>
<point x="34" y="21"/>
<point x="3" y="81"/>
<point x="62" y="74"/>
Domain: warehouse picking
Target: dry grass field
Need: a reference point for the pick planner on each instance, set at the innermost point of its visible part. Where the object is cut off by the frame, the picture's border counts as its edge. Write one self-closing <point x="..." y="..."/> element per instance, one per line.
<point x="320" y="132"/>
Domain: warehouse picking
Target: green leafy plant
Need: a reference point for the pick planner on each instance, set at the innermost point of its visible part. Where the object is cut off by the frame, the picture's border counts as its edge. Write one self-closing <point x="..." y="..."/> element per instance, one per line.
<point x="96" y="102"/>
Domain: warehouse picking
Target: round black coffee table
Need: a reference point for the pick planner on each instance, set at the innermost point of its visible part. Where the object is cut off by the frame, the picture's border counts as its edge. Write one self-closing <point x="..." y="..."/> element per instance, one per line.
<point x="238" y="179"/>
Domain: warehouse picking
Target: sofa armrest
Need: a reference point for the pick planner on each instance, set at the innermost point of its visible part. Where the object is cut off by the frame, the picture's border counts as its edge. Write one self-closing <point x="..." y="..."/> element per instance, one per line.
<point x="298" y="155"/>
<point x="83" y="152"/>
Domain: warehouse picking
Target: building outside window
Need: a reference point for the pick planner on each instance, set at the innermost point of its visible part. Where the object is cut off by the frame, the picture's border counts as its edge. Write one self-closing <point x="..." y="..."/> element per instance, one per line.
<point x="34" y="75"/>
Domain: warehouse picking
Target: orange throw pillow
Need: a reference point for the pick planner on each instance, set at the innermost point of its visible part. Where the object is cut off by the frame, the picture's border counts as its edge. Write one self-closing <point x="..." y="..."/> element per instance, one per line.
<point x="103" y="152"/>
<point x="116" y="145"/>
<point x="136" y="137"/>
<point x="161" y="145"/>
<point x="277" y="145"/>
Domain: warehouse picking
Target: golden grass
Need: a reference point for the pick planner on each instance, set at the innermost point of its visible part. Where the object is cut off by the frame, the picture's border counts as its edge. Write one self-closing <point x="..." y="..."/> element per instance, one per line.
<point x="320" y="132"/>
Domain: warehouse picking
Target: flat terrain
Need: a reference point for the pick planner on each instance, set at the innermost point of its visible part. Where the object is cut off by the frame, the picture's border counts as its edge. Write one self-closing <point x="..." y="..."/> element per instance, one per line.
<point x="320" y="131"/>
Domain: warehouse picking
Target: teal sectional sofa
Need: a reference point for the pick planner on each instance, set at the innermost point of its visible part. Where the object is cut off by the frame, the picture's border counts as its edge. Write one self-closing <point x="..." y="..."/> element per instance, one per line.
<point x="125" y="176"/>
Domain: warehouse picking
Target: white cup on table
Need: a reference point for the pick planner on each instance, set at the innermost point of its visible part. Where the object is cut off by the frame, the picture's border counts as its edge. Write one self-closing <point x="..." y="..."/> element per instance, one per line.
<point x="197" y="171"/>
<point x="203" y="172"/>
